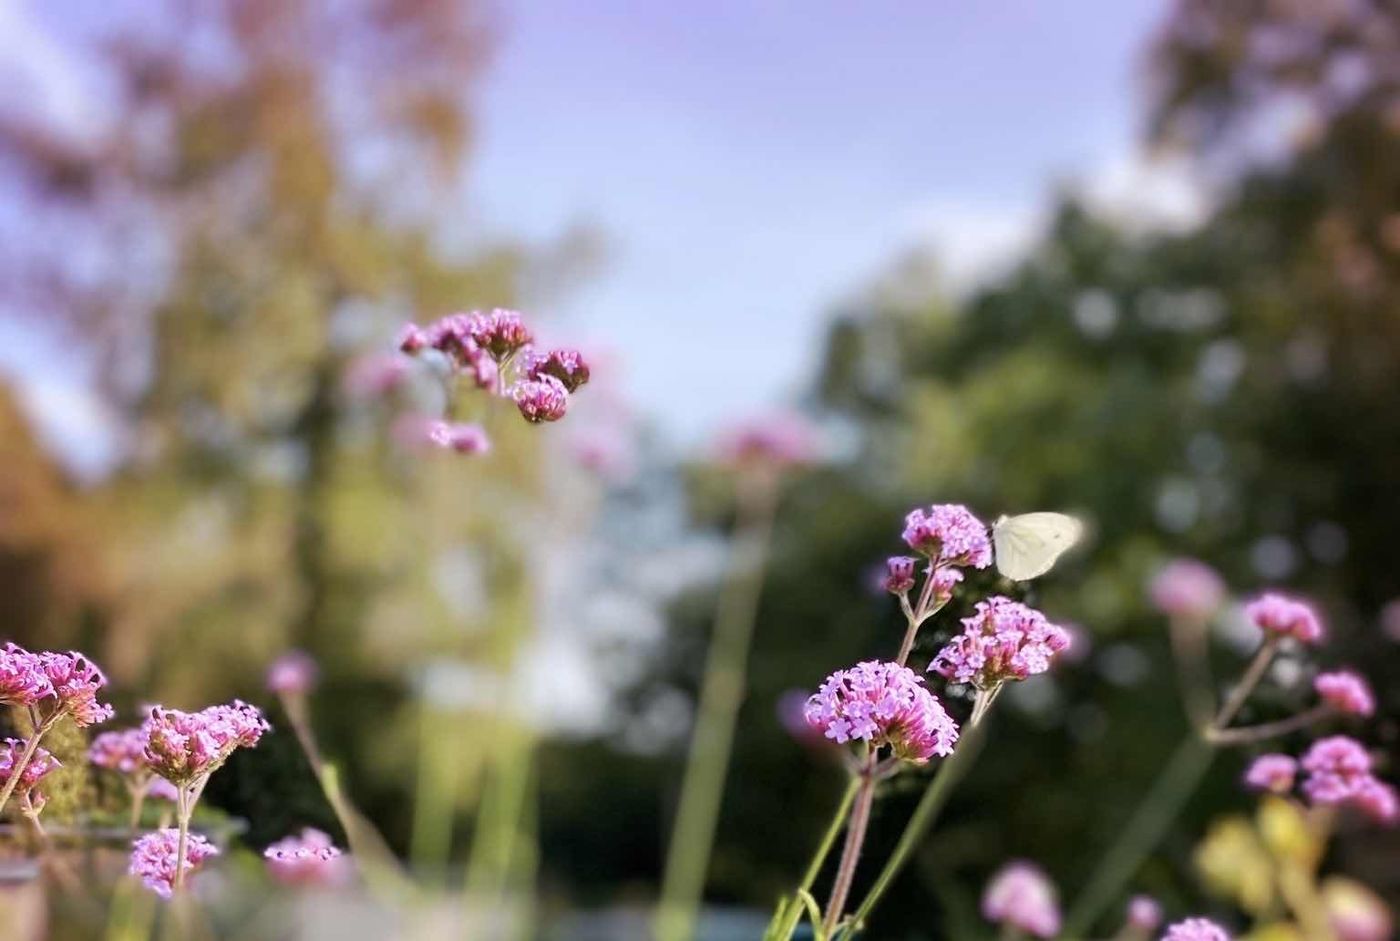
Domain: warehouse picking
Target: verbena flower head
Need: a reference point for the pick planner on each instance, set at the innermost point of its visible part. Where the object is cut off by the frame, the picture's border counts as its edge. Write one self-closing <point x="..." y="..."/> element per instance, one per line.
<point x="779" y="441"/>
<point x="1002" y="640"/>
<point x="1285" y="617"/>
<point x="945" y="579"/>
<point x="462" y="438"/>
<point x="374" y="375"/>
<point x="76" y="681"/>
<point x="123" y="752"/>
<point x="1272" y="772"/>
<point x="948" y="534"/>
<point x="294" y="673"/>
<point x="567" y="366"/>
<point x="501" y="333"/>
<point x="1346" y="692"/>
<point x="899" y="574"/>
<point x="154" y="856"/>
<point x="183" y="746"/>
<point x="161" y="789"/>
<point x="1144" y="913"/>
<point x="1021" y="896"/>
<point x="1339" y="772"/>
<point x="1196" y="929"/>
<point x="541" y="400"/>
<point x="1187" y="588"/>
<point x="1377" y="800"/>
<point x="452" y="337"/>
<point x="883" y="704"/>
<point x="40" y="764"/>
<point x="310" y="859"/>
<point x="23" y="680"/>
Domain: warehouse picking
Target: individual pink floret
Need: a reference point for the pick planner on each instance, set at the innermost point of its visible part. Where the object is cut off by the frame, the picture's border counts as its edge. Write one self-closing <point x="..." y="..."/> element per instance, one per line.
<point x="310" y="859"/>
<point x="23" y="681"/>
<point x="1196" y="929"/>
<point x="1003" y="640"/>
<point x="184" y="746"/>
<point x="1187" y="588"/>
<point x="294" y="673"/>
<point x="1345" y="692"/>
<point x="944" y="579"/>
<point x="541" y="400"/>
<point x="1273" y="772"/>
<point x="1022" y="897"/>
<point x="153" y="858"/>
<point x="949" y="534"/>
<point x="899" y="574"/>
<point x="1283" y="616"/>
<point x="883" y="704"/>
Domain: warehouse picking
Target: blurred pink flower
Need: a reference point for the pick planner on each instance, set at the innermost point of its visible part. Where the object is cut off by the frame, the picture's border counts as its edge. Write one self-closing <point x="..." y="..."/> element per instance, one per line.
<point x="948" y="534"/>
<point x="161" y="789"/>
<point x="123" y="752"/>
<point x="294" y="673"/>
<point x="1003" y="640"/>
<point x="1022" y="897"/>
<point x="779" y="441"/>
<point x="462" y="438"/>
<point x="1144" y="913"/>
<point x="1272" y="773"/>
<point x="541" y="400"/>
<point x="1187" y="588"/>
<point x="1355" y="912"/>
<point x="411" y="339"/>
<point x="501" y="333"/>
<point x="899" y="574"/>
<point x="1283" y="616"/>
<point x="1346" y="692"/>
<point x="310" y="859"/>
<point x="374" y="375"/>
<point x="883" y="704"/>
<point x="153" y="858"/>
<point x="1196" y="929"/>
<point x="567" y="366"/>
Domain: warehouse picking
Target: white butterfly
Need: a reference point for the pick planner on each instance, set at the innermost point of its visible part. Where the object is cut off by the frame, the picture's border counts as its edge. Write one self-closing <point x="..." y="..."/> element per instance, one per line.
<point x="1028" y="545"/>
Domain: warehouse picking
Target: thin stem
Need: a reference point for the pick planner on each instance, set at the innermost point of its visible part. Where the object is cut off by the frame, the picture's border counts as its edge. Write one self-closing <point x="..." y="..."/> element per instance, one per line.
<point x="1252" y="675"/>
<point x="838" y="820"/>
<point x="138" y="800"/>
<point x="855" y="838"/>
<point x="183" y="809"/>
<point x="1251" y="734"/>
<point x="17" y="770"/>
<point x="1188" y="641"/>
<point x="907" y="645"/>
<point x="31" y="813"/>
<point x="722" y="691"/>
<point x="983" y="702"/>
<point x="936" y="795"/>
<point x="1141" y="835"/>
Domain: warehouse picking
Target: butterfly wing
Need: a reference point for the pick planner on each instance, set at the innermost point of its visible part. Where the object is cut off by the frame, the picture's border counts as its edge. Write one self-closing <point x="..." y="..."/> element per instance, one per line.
<point x="1028" y="545"/>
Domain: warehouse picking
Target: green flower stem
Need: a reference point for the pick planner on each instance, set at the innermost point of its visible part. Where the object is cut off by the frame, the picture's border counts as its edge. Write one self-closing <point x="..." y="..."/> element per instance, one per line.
<point x="1143" y="832"/>
<point x="838" y="821"/>
<point x="721" y="692"/>
<point x="936" y="795"/>
<point x="1252" y="675"/>
<point x="855" y="839"/>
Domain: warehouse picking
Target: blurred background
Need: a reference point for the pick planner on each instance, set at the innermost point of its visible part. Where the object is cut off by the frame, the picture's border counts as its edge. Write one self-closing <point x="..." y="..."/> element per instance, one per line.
<point x="1136" y="261"/>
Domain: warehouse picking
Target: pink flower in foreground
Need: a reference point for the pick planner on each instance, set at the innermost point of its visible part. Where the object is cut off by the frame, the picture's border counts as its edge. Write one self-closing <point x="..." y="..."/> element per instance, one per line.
<point x="948" y="534"/>
<point x="1272" y="773"/>
<point x="23" y="681"/>
<point x="1187" y="588"/>
<point x="76" y="681"/>
<point x="1144" y="913"/>
<point x="1003" y="640"/>
<point x="462" y="438"/>
<point x="1285" y="617"/>
<point x="541" y="400"/>
<point x="184" y="746"/>
<point x="123" y="752"/>
<point x="1337" y="768"/>
<point x="1196" y="929"/>
<point x="294" y="673"/>
<point x="501" y="333"/>
<point x="781" y="440"/>
<point x="153" y="858"/>
<point x="1355" y="912"/>
<point x="883" y="704"/>
<point x="310" y="859"/>
<point x="567" y="366"/>
<point x="40" y="764"/>
<point x="1021" y="896"/>
<point x="1346" y="692"/>
<point x="899" y="574"/>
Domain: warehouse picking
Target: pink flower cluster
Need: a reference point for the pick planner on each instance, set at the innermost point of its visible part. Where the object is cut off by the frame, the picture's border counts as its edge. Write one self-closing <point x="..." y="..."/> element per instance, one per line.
<point x="1196" y="929"/>
<point x="123" y="752"/>
<point x="778" y="441"/>
<point x="184" y="746"/>
<point x="1002" y="640"/>
<point x="948" y="534"/>
<point x="1346" y="692"/>
<point x="308" y="859"/>
<point x="56" y="683"/>
<point x="460" y="437"/>
<point x="40" y="764"/>
<point x="154" y="858"/>
<point x="1021" y="896"/>
<point x="883" y="704"/>
<point x="1272" y="772"/>
<point x="294" y="673"/>
<point x="565" y="366"/>
<point x="1187" y="588"/>
<point x="1282" y="616"/>
<point x="1339" y="772"/>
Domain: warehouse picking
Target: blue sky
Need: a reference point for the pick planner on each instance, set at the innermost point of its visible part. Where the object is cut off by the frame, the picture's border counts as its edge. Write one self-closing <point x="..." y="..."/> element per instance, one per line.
<point x="752" y="164"/>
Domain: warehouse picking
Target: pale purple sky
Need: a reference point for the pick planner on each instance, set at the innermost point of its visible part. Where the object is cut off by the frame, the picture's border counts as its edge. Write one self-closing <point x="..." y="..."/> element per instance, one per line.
<point x="753" y="163"/>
